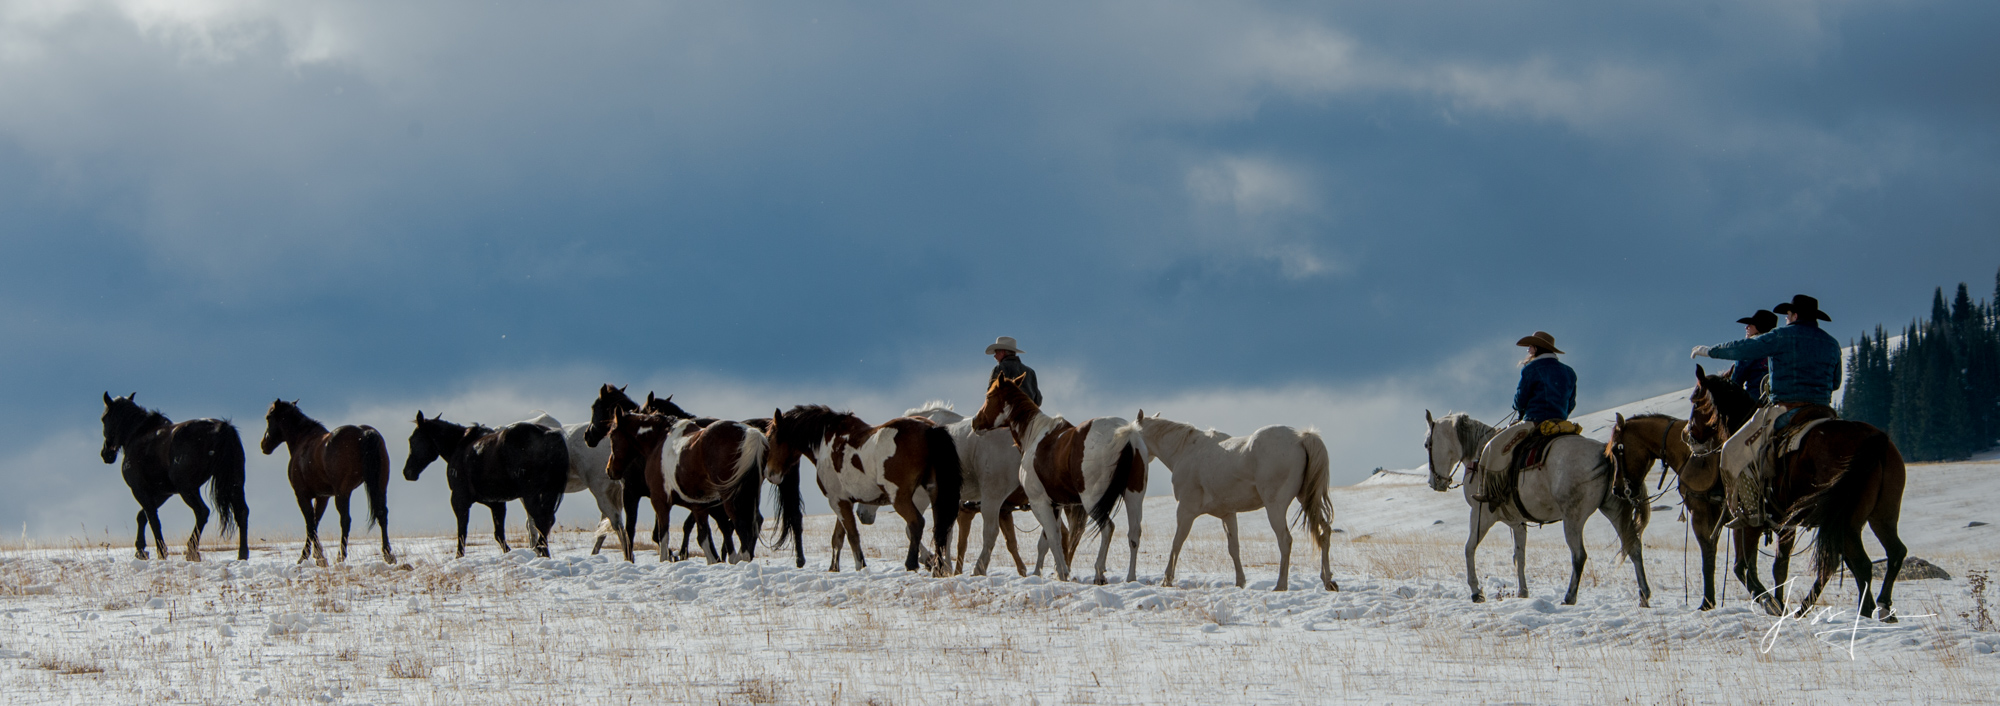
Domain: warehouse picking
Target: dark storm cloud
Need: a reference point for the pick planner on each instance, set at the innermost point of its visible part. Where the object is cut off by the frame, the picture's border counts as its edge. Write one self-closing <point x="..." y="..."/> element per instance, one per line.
<point x="221" y="203"/>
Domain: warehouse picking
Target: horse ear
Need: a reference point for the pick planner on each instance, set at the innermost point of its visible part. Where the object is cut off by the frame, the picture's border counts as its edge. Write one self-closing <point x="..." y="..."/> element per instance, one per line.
<point x="1427" y="418"/>
<point x="1142" y="415"/>
<point x="669" y="398"/>
<point x="1617" y="420"/>
<point x="295" y="402"/>
<point x="1699" y="374"/>
<point x="420" y="415"/>
<point x="107" y="399"/>
<point x="621" y="388"/>
<point x="134" y="397"/>
<point x="649" y="397"/>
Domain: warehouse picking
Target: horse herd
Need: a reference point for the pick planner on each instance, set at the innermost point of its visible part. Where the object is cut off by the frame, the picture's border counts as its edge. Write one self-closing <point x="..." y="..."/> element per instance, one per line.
<point x="1010" y="456"/>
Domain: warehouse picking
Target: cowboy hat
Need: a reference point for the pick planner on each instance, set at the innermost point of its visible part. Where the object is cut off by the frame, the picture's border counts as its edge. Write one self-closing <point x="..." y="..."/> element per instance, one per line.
<point x="1764" y="320"/>
<point x="1541" y="340"/>
<point x="1806" y="307"/>
<point x="1003" y="343"/>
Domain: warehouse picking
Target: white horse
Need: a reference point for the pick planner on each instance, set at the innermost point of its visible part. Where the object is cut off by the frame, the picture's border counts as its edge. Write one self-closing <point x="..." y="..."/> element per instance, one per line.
<point x="992" y="473"/>
<point x="1216" y="474"/>
<point x="1574" y="480"/>
<point x="1095" y="465"/>
<point x="586" y="470"/>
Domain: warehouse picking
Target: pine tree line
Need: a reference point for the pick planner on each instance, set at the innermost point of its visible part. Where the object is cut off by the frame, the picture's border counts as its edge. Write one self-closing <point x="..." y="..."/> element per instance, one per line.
<point x="1937" y="390"/>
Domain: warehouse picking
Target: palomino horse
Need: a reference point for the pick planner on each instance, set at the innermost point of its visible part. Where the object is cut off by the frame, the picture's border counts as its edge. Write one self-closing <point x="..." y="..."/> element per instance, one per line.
<point x="1216" y="474"/>
<point x="1574" y="480"/>
<point x="330" y="464"/>
<point x="906" y="463"/>
<point x="1845" y="474"/>
<point x="706" y="469"/>
<point x="164" y="459"/>
<point x="993" y="480"/>
<point x="1636" y="442"/>
<point x="1094" y="465"/>
<point x="523" y="461"/>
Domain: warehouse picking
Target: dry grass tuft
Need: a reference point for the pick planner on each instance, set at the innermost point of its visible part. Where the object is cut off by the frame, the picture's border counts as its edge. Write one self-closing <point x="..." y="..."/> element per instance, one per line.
<point x="412" y="667"/>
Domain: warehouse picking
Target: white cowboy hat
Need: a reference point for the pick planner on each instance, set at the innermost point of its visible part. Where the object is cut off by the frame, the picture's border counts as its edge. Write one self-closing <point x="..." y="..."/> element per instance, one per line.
<point x="1003" y="343"/>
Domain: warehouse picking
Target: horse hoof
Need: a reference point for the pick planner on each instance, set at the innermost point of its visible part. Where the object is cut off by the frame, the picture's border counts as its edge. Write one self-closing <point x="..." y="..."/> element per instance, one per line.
<point x="1645" y="603"/>
<point x="1477" y="598"/>
<point x="1332" y="586"/>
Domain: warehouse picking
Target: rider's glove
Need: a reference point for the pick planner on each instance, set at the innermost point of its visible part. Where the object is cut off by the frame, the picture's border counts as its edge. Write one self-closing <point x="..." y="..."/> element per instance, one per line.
<point x="1699" y="352"/>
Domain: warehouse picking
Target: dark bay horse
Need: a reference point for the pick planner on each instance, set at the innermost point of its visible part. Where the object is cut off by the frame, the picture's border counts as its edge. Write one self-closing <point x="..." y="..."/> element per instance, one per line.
<point x="906" y="462"/>
<point x="330" y="464"/>
<point x="164" y="459"/>
<point x="708" y="469"/>
<point x="519" y="461"/>
<point x="1844" y="475"/>
<point x="1637" y="442"/>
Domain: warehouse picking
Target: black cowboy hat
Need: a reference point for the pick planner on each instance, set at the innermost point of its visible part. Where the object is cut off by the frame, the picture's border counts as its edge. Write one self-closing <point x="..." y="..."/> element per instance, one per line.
<point x="1806" y="307"/>
<point x="1764" y="320"/>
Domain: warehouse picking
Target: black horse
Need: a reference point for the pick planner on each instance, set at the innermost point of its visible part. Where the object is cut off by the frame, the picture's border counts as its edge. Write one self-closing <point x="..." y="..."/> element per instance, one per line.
<point x="164" y="459"/>
<point x="520" y="461"/>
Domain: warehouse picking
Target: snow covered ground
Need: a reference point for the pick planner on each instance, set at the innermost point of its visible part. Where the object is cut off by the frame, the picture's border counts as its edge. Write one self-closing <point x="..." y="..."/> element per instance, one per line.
<point x="88" y="624"/>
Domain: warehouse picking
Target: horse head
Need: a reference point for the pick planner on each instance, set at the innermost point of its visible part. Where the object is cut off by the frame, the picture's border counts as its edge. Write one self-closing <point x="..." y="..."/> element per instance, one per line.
<point x="122" y="418"/>
<point x="664" y="406"/>
<point x="610" y="401"/>
<point x="433" y="438"/>
<point x="1441" y="448"/>
<point x="278" y="421"/>
<point x="635" y="437"/>
<point x="1003" y="404"/>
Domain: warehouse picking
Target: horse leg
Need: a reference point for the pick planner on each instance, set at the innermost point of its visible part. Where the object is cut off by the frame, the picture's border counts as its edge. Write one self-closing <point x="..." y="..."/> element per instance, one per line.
<point x="153" y="518"/>
<point x="1052" y="530"/>
<point x="193" y="500"/>
<point x="312" y="525"/>
<point x="607" y="495"/>
<point x="1746" y="570"/>
<point x="1481" y="523"/>
<point x="913" y="520"/>
<point x="1135" y="509"/>
<point x="1629" y="541"/>
<point x="631" y="527"/>
<point x="1573" y="532"/>
<point x="689" y="528"/>
<point x="848" y="528"/>
<point x="318" y="513"/>
<point x="500" y="525"/>
<point x="663" y="521"/>
<point x="1104" y="548"/>
<point x="542" y="518"/>
<point x="1235" y="549"/>
<point x="1520" y="531"/>
<point x="1705" y="535"/>
<point x="1013" y="545"/>
<point x="964" y="536"/>
<point x="1184" y="516"/>
<point x="1859" y="565"/>
<point x="993" y="517"/>
<point x="140" y="543"/>
<point x="1276" y="513"/>
<point x="346" y="524"/>
<point x="1885" y="531"/>
<point x="462" y="507"/>
<point x="707" y="538"/>
<point x="1781" y="565"/>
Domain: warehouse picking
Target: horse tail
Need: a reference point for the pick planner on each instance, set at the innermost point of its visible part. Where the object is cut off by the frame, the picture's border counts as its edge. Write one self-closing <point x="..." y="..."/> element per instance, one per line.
<point x="1314" y="505"/>
<point x="791" y="513"/>
<point x="749" y="455"/>
<point x="375" y="477"/>
<point x="225" y="491"/>
<point x="941" y="454"/>
<point x="1834" y="504"/>
<point x="1131" y="462"/>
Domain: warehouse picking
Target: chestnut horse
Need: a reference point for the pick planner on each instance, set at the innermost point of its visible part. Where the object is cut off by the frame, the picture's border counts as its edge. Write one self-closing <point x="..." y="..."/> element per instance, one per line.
<point x="524" y="461"/>
<point x="707" y="469"/>
<point x="1845" y="474"/>
<point x="330" y="464"/>
<point x="164" y="459"/>
<point x="1636" y="442"/>
<point x="1094" y="465"/>
<point x="906" y="463"/>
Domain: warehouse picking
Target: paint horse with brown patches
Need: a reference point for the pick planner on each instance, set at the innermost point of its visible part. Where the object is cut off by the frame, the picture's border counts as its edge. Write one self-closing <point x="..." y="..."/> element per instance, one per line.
<point x="992" y="490"/>
<point x="164" y="459"/>
<point x="907" y="463"/>
<point x="519" y="461"/>
<point x="1095" y="465"/>
<point x="330" y="464"/>
<point x="707" y="469"/>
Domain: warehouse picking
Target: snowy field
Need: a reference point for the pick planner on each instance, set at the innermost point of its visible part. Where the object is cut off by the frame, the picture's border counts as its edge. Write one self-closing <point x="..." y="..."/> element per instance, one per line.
<point x="84" y="623"/>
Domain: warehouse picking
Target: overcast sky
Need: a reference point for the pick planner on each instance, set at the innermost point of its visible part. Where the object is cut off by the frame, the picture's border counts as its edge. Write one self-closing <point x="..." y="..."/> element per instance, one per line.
<point x="1327" y="214"/>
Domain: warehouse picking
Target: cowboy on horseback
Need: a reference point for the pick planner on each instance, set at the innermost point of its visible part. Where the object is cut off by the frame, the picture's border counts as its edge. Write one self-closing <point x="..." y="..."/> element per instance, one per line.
<point x="1750" y="374"/>
<point x="1544" y="399"/>
<point x="1804" y="372"/>
<point x="1007" y="357"/>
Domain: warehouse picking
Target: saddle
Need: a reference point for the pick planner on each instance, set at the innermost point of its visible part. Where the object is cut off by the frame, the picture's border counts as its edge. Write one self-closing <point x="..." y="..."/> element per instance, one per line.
<point x="1527" y="453"/>
<point x="1747" y="488"/>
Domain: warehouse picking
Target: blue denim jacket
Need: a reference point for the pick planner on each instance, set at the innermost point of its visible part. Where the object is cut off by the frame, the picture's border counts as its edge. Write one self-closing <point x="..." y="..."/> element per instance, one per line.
<point x="1805" y="361"/>
<point x="1547" y="391"/>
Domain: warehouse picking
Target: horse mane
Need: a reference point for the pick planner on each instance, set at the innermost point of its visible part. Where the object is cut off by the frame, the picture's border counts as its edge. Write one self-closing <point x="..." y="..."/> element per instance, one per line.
<point x="932" y="407"/>
<point x="293" y="418"/>
<point x="1472" y="433"/>
<point x="806" y="423"/>
<point x="1653" y="415"/>
<point x="136" y="419"/>
<point x="1177" y="434"/>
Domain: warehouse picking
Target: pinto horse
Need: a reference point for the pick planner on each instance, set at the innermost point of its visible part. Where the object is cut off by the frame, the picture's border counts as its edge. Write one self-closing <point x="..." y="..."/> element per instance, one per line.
<point x="906" y="463"/>
<point x="330" y="464"/>
<point x="1844" y="475"/>
<point x="707" y="469"/>
<point x="164" y="459"/>
<point x="519" y="461"/>
<point x="991" y="469"/>
<point x="1093" y="465"/>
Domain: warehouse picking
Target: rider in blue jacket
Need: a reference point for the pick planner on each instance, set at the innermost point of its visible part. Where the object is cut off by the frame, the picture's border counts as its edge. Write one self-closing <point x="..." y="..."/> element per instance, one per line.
<point x="1805" y="361"/>
<point x="1544" y="399"/>
<point x="1749" y="374"/>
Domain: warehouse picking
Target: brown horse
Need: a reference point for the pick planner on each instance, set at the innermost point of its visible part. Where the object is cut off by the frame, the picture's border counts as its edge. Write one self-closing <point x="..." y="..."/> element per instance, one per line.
<point x="1637" y="442"/>
<point x="330" y="464"/>
<point x="707" y="469"/>
<point x="1845" y="474"/>
<point x="1094" y="465"/>
<point x="906" y="463"/>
